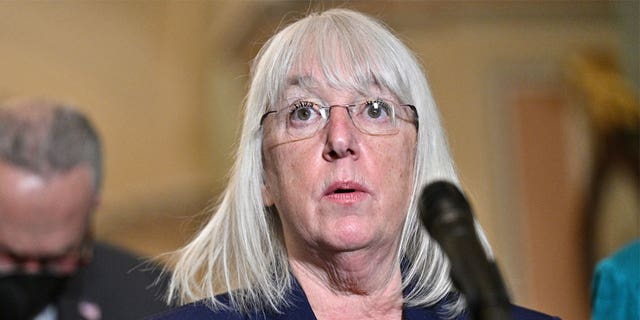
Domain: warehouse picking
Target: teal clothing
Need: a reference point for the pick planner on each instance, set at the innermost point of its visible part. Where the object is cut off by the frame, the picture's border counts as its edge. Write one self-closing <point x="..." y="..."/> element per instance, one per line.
<point x="615" y="290"/>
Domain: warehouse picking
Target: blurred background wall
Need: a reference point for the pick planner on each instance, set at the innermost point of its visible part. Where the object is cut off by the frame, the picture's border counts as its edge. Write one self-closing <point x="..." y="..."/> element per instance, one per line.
<point x="523" y="87"/>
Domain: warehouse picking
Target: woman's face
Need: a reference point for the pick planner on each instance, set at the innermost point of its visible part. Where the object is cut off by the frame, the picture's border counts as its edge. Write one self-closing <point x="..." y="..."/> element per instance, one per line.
<point x="339" y="190"/>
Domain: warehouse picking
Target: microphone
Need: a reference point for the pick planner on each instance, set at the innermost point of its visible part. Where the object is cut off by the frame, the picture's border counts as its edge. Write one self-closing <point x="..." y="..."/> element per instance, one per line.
<point x="447" y="216"/>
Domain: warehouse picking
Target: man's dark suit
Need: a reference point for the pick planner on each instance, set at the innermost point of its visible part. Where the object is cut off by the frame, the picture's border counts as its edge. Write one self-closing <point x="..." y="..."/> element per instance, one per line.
<point x="114" y="285"/>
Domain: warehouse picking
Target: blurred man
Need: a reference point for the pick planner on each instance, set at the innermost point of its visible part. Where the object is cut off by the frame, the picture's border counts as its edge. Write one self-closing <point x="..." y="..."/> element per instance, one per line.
<point x="50" y="268"/>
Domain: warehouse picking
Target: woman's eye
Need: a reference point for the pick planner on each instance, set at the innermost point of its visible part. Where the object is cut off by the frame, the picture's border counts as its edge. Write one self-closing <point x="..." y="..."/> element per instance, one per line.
<point x="302" y="111"/>
<point x="377" y="109"/>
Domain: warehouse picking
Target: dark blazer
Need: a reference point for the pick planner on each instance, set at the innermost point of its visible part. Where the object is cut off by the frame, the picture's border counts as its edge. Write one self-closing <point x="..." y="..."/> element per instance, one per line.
<point x="300" y="309"/>
<point x="114" y="285"/>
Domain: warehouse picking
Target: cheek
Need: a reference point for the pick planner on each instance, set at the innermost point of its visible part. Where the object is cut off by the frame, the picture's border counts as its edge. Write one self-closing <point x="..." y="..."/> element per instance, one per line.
<point x="270" y="179"/>
<point x="395" y="162"/>
<point x="286" y="174"/>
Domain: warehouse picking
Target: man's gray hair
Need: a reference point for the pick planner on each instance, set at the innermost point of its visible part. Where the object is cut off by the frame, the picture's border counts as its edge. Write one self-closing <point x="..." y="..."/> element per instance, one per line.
<point x="241" y="246"/>
<point x="46" y="137"/>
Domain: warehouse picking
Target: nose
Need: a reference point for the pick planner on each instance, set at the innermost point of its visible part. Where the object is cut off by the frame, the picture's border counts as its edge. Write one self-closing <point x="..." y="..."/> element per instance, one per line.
<point x="342" y="137"/>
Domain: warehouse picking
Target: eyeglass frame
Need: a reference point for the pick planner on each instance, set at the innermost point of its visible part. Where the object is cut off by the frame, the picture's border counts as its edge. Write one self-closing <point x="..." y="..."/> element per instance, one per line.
<point x="348" y="107"/>
<point x="79" y="257"/>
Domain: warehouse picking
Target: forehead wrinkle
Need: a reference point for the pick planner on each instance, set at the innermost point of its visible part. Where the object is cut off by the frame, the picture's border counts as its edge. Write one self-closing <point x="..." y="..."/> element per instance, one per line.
<point x="306" y="85"/>
<point x="333" y="67"/>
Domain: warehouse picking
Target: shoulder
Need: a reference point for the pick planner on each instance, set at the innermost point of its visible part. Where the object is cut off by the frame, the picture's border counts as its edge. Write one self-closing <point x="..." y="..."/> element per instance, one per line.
<point x="112" y="272"/>
<point x="623" y="262"/>
<point x="437" y="312"/>
<point x="196" y="310"/>
<point x="297" y="309"/>
<point x="111" y="265"/>
<point x="615" y="285"/>
<point x="520" y="313"/>
<point x="114" y="256"/>
<point x="201" y="310"/>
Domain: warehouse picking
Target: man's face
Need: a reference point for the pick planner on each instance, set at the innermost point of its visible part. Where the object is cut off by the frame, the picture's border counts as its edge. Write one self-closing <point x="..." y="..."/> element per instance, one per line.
<point x="44" y="220"/>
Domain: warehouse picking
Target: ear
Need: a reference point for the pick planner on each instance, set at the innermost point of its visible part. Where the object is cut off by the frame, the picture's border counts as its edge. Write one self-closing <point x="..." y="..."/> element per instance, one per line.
<point x="267" y="199"/>
<point x="93" y="206"/>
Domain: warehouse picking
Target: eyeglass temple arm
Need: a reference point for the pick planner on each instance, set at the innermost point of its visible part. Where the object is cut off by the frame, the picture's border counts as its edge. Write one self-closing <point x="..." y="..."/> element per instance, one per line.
<point x="264" y="116"/>
<point x="415" y="113"/>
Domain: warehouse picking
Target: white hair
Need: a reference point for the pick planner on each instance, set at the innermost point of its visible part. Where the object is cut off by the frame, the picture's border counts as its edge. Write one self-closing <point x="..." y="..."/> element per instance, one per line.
<point x="240" y="250"/>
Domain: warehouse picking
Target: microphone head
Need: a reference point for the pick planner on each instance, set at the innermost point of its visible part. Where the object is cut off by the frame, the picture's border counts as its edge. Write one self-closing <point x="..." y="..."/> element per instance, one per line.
<point x="447" y="216"/>
<point x="443" y="206"/>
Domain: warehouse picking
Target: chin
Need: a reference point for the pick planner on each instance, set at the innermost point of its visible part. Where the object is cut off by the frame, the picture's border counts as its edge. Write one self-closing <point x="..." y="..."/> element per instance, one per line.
<point x="351" y="238"/>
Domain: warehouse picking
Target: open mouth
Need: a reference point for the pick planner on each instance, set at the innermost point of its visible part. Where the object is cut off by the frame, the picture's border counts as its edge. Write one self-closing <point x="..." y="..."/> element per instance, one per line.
<point x="344" y="190"/>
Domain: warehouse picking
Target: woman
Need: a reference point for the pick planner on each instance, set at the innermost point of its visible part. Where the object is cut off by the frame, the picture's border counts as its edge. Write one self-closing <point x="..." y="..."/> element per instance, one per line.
<point x="319" y="219"/>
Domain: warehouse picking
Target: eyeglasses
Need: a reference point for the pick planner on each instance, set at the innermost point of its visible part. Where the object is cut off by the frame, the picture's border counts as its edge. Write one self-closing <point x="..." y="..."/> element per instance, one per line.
<point x="64" y="264"/>
<point x="303" y="119"/>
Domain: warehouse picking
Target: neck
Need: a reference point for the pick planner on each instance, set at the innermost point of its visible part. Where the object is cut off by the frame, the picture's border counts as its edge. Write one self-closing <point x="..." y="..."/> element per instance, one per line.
<point x="351" y="285"/>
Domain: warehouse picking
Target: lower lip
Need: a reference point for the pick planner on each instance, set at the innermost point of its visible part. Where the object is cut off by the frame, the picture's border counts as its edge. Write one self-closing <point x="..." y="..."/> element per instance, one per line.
<point x="347" y="197"/>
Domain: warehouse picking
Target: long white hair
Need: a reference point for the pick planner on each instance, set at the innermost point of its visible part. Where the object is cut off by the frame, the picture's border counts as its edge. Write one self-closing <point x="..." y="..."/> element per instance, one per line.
<point x="240" y="250"/>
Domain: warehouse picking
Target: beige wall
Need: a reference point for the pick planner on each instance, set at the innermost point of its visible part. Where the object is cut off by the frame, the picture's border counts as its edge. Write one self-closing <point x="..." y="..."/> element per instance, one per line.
<point x="138" y="70"/>
<point x="164" y="81"/>
<point x="474" y="69"/>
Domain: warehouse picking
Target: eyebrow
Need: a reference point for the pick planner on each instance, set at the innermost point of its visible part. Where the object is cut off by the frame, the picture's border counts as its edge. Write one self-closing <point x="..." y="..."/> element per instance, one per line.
<point x="302" y="81"/>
